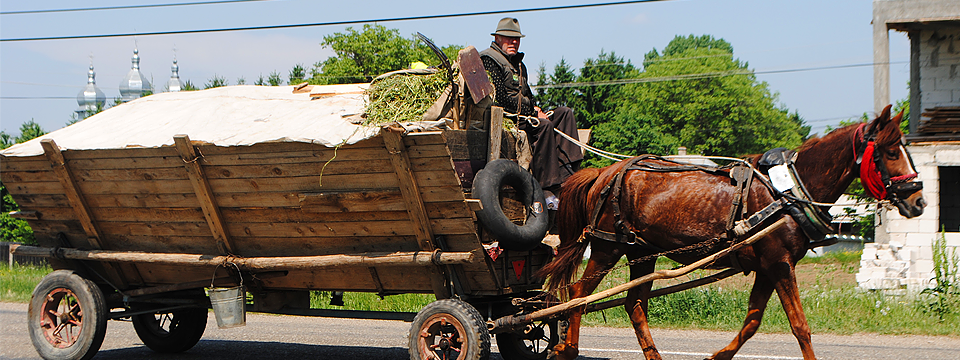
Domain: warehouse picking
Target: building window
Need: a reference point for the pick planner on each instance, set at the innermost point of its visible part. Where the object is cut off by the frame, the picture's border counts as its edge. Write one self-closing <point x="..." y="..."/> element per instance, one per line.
<point x="950" y="198"/>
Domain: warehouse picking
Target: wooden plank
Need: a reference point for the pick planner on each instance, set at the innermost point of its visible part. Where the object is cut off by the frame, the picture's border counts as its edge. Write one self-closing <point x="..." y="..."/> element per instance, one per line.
<point x="68" y="186"/>
<point x="24" y="163"/>
<point x="400" y="158"/>
<point x="336" y="167"/>
<point x="77" y="202"/>
<point x="221" y="186"/>
<point x="188" y="200"/>
<point x="306" y="229"/>
<point x="125" y="153"/>
<point x="496" y="133"/>
<point x="211" y="211"/>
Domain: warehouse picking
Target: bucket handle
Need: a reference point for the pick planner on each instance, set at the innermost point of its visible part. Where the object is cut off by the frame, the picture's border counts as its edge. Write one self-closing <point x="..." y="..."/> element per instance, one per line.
<point x="214" y="277"/>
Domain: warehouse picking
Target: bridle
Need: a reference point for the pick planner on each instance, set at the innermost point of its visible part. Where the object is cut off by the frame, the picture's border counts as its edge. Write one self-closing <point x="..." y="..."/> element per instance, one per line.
<point x="875" y="176"/>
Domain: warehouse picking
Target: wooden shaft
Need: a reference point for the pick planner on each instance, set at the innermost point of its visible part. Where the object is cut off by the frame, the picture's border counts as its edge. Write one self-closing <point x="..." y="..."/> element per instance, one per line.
<point x="667" y="290"/>
<point x="411" y="258"/>
<point x="657" y="275"/>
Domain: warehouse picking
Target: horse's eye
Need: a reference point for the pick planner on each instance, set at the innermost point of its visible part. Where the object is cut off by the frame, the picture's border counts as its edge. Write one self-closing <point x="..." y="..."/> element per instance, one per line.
<point x="893" y="154"/>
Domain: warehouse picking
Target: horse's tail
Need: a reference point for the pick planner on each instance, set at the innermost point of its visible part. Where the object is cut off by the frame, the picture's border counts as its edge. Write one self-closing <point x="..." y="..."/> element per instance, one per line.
<point x="572" y="218"/>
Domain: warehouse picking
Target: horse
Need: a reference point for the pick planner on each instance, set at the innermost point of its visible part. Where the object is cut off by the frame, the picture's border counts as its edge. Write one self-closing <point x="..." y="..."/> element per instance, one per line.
<point x="674" y="209"/>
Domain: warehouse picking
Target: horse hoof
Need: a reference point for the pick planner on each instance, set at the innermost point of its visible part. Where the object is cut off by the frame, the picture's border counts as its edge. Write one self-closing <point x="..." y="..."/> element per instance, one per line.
<point x="564" y="352"/>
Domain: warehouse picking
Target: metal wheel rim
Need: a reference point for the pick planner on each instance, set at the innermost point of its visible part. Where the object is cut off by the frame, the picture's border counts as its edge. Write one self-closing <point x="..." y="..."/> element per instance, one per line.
<point x="162" y="325"/>
<point x="440" y="336"/>
<point x="536" y="337"/>
<point x="61" y="318"/>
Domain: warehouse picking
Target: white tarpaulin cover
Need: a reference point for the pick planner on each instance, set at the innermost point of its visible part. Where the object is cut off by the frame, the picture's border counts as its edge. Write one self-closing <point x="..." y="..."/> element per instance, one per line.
<point x="225" y="116"/>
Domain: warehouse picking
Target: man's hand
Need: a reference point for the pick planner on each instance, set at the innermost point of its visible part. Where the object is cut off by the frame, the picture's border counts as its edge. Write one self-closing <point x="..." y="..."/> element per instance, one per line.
<point x="540" y="113"/>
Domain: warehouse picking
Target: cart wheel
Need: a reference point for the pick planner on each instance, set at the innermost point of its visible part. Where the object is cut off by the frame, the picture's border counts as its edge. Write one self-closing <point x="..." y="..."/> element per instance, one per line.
<point x="67" y="317"/>
<point x="449" y="329"/>
<point x="172" y="332"/>
<point x="532" y="343"/>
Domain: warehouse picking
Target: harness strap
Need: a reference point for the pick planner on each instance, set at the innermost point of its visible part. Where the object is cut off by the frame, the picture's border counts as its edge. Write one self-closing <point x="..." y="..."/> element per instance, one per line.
<point x="743" y="177"/>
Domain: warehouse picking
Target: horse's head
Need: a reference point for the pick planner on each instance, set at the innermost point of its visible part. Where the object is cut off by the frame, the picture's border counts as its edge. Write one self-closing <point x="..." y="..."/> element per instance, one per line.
<point x="886" y="169"/>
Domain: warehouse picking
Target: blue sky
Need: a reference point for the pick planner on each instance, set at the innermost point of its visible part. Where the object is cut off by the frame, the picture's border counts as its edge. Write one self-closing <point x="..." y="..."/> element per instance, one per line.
<point x="769" y="35"/>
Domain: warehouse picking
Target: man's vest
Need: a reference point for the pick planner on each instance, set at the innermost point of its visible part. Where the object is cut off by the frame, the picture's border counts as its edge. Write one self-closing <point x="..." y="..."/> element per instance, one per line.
<point x="512" y="90"/>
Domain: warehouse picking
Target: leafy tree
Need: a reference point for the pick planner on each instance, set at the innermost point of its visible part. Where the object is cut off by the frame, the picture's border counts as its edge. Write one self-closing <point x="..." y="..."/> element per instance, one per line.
<point x="274" y="79"/>
<point x="189" y="86"/>
<point x="551" y="97"/>
<point x="215" y="82"/>
<point x="29" y="130"/>
<point x="297" y="74"/>
<point x="362" y="55"/>
<point x="697" y="95"/>
<point x="5" y="140"/>
<point x="598" y="102"/>
<point x="594" y="101"/>
<point x="16" y="230"/>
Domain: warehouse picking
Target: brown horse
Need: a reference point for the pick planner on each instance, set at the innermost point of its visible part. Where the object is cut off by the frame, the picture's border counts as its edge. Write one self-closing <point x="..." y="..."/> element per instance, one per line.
<point x="670" y="210"/>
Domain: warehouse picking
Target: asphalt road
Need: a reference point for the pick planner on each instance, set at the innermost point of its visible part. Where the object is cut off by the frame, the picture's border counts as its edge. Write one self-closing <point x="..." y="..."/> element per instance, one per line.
<point x="294" y="337"/>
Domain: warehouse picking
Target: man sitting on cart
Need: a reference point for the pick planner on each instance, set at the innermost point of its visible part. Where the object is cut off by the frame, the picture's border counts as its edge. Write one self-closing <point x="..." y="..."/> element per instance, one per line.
<point x="554" y="158"/>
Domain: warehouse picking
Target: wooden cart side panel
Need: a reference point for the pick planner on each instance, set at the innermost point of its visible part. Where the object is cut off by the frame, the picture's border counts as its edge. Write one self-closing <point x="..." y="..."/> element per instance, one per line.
<point x="276" y="199"/>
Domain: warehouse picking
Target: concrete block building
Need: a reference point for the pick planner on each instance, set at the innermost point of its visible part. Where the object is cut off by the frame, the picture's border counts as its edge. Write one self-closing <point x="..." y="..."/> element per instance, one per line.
<point x="901" y="259"/>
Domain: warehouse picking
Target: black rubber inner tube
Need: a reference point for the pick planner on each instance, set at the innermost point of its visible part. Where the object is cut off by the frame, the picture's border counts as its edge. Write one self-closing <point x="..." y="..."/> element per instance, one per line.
<point x="487" y="186"/>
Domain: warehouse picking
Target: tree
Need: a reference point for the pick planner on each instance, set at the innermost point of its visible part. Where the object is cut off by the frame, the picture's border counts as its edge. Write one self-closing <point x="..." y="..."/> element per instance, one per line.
<point x="697" y="95"/>
<point x="5" y="140"/>
<point x="595" y="99"/>
<point x="362" y="55"/>
<point x="16" y="230"/>
<point x="189" y="86"/>
<point x="215" y="82"/>
<point x="296" y="74"/>
<point x="274" y="79"/>
<point x="29" y="130"/>
<point x="241" y="81"/>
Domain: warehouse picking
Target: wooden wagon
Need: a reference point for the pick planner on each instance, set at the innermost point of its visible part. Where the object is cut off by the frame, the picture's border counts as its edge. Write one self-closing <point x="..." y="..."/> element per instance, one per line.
<point x="142" y="207"/>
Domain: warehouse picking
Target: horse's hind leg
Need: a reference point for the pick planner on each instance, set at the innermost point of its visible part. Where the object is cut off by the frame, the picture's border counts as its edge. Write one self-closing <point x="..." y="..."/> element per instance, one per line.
<point x="602" y="260"/>
<point x="636" y="306"/>
<point x="759" y="296"/>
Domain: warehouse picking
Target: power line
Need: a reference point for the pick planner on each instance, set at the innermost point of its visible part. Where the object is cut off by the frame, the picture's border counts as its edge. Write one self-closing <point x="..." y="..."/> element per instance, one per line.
<point x="123" y="7"/>
<point x="701" y="76"/>
<point x="331" y="23"/>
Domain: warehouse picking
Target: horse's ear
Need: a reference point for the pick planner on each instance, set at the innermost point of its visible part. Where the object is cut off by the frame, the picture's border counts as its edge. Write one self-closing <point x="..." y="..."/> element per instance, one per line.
<point x="897" y="118"/>
<point x="880" y="121"/>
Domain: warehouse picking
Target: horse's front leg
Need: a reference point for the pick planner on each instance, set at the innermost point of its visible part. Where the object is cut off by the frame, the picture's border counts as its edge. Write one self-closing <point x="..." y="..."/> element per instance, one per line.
<point x="789" y="293"/>
<point x="636" y="306"/>
<point x="568" y="348"/>
<point x="759" y="296"/>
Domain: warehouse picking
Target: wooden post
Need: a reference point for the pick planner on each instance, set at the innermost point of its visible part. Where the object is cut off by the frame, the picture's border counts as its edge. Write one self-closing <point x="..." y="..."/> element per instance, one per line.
<point x="496" y="133"/>
<point x="414" y="203"/>
<point x="204" y="193"/>
<point x="79" y="205"/>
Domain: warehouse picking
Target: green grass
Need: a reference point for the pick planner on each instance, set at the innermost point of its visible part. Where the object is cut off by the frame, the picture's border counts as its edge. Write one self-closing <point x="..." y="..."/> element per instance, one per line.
<point x="17" y="283"/>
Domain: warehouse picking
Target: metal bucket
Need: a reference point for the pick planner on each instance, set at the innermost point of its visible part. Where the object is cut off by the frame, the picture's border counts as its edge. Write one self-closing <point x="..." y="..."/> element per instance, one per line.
<point x="228" y="306"/>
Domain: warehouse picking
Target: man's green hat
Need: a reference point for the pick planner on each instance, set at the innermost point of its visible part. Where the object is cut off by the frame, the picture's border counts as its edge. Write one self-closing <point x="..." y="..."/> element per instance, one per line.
<point x="509" y="27"/>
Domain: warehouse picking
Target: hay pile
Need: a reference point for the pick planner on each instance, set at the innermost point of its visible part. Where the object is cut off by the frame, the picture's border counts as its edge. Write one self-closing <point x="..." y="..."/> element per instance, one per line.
<point x="403" y="97"/>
